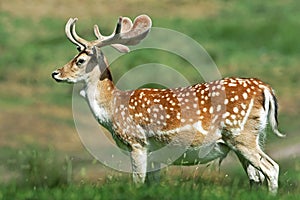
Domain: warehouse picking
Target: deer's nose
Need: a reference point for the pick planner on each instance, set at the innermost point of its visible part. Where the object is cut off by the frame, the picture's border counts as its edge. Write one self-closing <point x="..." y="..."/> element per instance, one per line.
<point x="54" y="76"/>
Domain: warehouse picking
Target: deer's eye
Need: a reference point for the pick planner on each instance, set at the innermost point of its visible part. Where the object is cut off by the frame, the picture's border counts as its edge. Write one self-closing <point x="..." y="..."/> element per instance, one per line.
<point x="80" y="62"/>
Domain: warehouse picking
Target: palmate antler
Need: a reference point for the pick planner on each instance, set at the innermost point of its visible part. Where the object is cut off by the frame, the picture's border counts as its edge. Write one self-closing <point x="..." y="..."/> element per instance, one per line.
<point x="125" y="33"/>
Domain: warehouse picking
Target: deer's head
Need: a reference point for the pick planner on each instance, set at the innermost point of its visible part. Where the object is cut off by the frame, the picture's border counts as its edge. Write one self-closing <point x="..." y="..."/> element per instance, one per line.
<point x="90" y="58"/>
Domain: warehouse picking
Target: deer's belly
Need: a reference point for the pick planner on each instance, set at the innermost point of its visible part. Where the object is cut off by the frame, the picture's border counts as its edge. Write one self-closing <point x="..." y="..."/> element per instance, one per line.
<point x="202" y="154"/>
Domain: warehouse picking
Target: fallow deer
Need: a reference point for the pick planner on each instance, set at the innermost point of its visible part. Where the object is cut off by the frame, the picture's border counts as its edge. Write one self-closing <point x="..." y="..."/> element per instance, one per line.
<point x="209" y="118"/>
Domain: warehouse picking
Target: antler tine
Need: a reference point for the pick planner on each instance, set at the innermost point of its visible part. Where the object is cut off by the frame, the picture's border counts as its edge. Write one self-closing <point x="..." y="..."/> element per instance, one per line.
<point x="68" y="30"/>
<point x="97" y="33"/>
<point x="80" y="40"/>
<point x="72" y="35"/>
<point x="119" y="26"/>
<point x="126" y="24"/>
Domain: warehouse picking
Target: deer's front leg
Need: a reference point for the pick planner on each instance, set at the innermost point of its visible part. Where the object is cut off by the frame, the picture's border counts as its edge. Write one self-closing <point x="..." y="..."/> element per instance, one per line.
<point x="139" y="163"/>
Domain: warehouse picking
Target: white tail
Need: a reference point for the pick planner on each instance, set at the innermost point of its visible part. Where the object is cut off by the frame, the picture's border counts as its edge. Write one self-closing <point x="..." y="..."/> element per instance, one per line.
<point x="208" y="119"/>
<point x="273" y="113"/>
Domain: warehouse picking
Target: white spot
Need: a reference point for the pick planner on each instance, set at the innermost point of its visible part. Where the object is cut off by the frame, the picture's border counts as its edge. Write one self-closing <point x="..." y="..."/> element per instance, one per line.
<point x="219" y="108"/>
<point x="226" y="114"/>
<point x="228" y="122"/>
<point x="245" y="95"/>
<point x="244" y="106"/>
<point x="204" y="109"/>
<point x="211" y="110"/>
<point x="236" y="97"/>
<point x="202" y="102"/>
<point x="168" y="116"/>
<point x="226" y="101"/>
<point x="215" y="118"/>
<point x="235" y="109"/>
<point x="155" y="109"/>
<point x="243" y="113"/>
<point x="198" y="112"/>
<point x="233" y="116"/>
<point x="232" y="84"/>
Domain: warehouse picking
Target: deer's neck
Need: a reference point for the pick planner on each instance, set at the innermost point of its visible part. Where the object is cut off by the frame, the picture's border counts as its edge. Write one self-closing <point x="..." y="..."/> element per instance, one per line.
<point x="99" y="94"/>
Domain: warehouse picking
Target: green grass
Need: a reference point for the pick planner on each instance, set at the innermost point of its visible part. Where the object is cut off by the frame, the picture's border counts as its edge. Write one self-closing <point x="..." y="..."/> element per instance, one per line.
<point x="44" y="174"/>
<point x="174" y="188"/>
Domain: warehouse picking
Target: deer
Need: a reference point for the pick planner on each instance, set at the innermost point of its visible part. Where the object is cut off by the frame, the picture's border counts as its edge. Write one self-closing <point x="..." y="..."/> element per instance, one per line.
<point x="209" y="119"/>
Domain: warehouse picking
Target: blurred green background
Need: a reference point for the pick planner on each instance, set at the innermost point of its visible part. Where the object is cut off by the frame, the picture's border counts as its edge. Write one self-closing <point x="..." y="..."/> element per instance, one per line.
<point x="41" y="156"/>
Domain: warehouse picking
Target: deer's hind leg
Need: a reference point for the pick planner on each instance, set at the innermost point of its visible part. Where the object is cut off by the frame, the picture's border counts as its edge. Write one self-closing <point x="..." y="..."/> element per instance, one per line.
<point x="246" y="146"/>
<point x="255" y="176"/>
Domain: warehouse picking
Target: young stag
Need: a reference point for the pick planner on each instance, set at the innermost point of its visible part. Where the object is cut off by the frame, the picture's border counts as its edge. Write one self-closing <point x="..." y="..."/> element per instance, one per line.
<point x="207" y="119"/>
